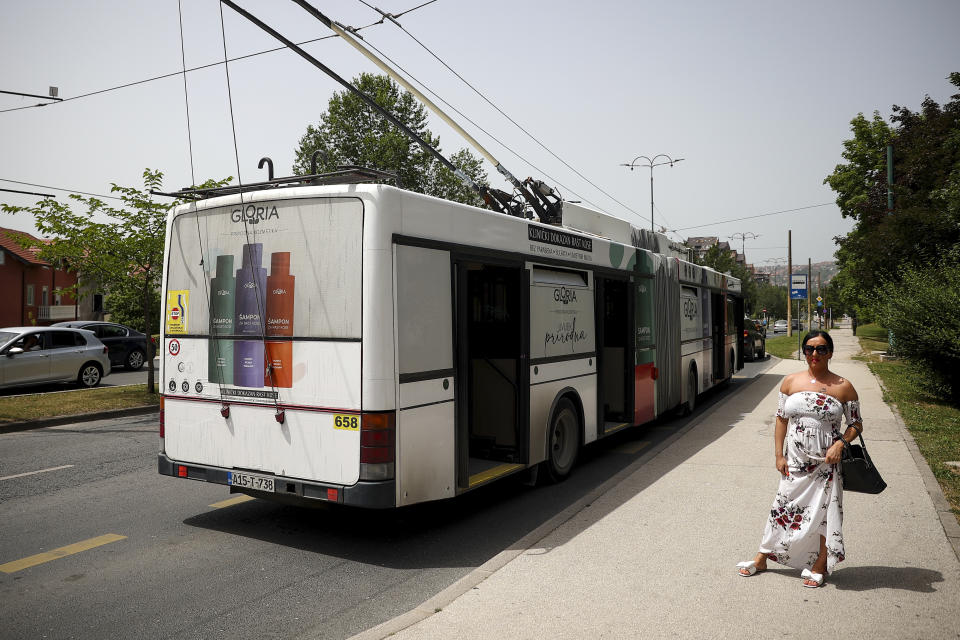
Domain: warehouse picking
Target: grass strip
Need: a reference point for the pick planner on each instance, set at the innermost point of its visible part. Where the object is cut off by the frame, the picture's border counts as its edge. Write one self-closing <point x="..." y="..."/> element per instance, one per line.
<point x="78" y="402"/>
<point x="933" y="422"/>
<point x="872" y="337"/>
<point x="783" y="346"/>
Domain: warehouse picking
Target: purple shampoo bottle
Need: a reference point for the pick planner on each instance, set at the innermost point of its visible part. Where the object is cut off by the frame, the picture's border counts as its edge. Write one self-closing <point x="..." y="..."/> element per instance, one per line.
<point x="251" y="283"/>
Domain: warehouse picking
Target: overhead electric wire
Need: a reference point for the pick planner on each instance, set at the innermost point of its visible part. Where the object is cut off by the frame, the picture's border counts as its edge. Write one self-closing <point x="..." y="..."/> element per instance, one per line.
<point x="46" y="186"/>
<point x="468" y="119"/>
<point x="199" y="68"/>
<point x="666" y="226"/>
<point x="759" y="215"/>
<point x="392" y="19"/>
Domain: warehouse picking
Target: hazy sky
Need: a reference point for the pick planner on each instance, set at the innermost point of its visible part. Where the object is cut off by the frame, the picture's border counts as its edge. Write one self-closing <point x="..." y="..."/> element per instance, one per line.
<point x="755" y="96"/>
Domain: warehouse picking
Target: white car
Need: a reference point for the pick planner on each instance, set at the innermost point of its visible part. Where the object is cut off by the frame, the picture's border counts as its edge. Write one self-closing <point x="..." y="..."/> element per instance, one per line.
<point x="37" y="355"/>
<point x="780" y="326"/>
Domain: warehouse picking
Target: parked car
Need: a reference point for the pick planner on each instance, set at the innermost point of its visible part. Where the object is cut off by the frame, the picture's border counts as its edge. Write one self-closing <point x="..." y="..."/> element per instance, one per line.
<point x="128" y="347"/>
<point x="754" y="340"/>
<point x="780" y="326"/>
<point x="37" y="355"/>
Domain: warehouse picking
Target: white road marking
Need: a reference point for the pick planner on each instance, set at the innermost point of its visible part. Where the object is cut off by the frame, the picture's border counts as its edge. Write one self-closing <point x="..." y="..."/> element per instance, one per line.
<point x="31" y="473"/>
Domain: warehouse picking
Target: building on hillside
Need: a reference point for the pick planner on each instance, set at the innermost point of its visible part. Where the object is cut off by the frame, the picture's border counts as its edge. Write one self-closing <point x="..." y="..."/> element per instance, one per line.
<point x="699" y="245"/>
<point x="29" y="285"/>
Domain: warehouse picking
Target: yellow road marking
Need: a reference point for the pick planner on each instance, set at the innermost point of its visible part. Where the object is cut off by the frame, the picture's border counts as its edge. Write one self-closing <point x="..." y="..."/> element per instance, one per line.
<point x="232" y="501"/>
<point x="608" y="430"/>
<point x="495" y="472"/>
<point x="70" y="549"/>
<point x="632" y="447"/>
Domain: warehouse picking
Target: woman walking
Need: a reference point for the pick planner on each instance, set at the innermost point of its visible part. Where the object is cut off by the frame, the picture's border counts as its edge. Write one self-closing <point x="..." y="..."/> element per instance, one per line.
<point x="805" y="526"/>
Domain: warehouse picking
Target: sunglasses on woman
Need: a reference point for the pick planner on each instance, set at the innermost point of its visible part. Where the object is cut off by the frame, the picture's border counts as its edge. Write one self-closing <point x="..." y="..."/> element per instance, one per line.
<point x="821" y="349"/>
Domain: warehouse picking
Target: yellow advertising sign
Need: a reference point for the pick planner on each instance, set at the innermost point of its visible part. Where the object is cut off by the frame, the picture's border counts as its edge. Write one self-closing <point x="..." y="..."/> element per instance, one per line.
<point x="178" y="302"/>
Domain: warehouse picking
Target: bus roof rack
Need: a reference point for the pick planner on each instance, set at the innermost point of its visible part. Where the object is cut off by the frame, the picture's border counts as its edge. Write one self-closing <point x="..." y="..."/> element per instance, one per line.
<point x="344" y="174"/>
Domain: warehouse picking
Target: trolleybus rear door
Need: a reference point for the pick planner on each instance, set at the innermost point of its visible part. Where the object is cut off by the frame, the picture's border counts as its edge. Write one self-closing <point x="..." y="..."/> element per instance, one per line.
<point x="615" y="352"/>
<point x="492" y="377"/>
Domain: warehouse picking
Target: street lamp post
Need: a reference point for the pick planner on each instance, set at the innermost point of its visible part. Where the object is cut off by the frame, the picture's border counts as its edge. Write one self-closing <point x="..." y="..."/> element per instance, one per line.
<point x="651" y="163"/>
<point x="777" y="262"/>
<point x="744" y="236"/>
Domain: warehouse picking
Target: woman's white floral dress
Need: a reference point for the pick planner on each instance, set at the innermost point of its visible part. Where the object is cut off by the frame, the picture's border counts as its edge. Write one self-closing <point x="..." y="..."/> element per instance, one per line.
<point x="809" y="501"/>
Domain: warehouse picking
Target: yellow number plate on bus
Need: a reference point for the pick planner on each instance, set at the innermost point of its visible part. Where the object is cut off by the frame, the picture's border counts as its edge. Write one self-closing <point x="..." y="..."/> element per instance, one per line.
<point x="346" y="421"/>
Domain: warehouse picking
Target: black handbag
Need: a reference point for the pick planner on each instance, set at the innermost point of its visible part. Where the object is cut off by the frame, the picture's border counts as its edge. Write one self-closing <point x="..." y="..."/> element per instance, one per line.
<point x="859" y="472"/>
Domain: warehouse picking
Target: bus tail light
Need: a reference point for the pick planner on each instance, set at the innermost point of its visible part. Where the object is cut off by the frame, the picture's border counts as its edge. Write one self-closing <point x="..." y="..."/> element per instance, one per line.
<point x="378" y="445"/>
<point x="161" y="423"/>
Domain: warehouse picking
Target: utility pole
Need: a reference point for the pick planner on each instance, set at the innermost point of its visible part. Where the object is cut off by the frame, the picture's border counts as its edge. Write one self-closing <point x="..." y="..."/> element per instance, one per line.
<point x="789" y="273"/>
<point x="889" y="179"/>
<point x="820" y="302"/>
<point x="809" y="287"/>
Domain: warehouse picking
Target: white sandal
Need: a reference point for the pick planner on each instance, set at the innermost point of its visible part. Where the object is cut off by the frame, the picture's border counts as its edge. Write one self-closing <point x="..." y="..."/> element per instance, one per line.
<point x="750" y="566"/>
<point x="806" y="574"/>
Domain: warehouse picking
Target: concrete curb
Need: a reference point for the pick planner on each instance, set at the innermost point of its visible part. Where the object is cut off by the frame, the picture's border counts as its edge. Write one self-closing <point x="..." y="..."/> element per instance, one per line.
<point x="951" y="527"/>
<point x="26" y="425"/>
<point x="524" y="544"/>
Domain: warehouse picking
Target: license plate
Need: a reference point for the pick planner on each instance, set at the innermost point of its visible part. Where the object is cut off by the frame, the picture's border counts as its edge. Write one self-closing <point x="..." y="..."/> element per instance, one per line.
<point x="250" y="481"/>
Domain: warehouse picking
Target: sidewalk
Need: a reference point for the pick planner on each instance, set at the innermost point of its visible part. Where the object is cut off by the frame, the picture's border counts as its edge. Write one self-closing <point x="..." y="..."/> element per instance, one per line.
<point x="654" y="556"/>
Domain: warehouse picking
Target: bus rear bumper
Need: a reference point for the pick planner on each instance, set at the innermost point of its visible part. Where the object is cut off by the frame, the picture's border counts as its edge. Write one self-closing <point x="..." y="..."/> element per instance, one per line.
<point x="369" y="495"/>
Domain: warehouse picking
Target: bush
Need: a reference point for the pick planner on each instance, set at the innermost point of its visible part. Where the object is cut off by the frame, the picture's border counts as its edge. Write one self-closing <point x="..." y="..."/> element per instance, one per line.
<point x="922" y="310"/>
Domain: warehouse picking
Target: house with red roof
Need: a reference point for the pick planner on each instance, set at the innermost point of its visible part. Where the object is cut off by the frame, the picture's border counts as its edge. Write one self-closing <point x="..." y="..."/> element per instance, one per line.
<point x="29" y="284"/>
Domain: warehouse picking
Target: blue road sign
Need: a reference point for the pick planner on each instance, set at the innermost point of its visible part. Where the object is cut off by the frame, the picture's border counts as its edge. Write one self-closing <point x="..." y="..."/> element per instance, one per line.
<point x="798" y="286"/>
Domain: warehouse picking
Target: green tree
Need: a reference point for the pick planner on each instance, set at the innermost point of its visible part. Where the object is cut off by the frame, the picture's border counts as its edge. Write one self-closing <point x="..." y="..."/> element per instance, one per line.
<point x="773" y="299"/>
<point x="119" y="248"/>
<point x="925" y="221"/>
<point x="723" y="260"/>
<point x="351" y="133"/>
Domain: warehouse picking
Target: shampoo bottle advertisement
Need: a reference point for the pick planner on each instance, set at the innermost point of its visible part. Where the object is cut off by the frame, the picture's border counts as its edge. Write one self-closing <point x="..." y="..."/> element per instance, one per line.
<point x="279" y="315"/>
<point x="222" y="307"/>
<point x="248" y="364"/>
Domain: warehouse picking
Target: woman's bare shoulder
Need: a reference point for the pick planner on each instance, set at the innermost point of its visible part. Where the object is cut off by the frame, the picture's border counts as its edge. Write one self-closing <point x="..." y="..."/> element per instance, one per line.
<point x="845" y="391"/>
<point x="789" y="383"/>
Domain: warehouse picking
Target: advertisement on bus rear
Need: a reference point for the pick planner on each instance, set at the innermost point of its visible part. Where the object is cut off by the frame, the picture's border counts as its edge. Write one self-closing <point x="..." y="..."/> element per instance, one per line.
<point x="263" y="302"/>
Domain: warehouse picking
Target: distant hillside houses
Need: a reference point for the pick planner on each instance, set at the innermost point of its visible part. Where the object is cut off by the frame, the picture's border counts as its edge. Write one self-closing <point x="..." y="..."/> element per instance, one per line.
<point x="699" y="245"/>
<point x="773" y="274"/>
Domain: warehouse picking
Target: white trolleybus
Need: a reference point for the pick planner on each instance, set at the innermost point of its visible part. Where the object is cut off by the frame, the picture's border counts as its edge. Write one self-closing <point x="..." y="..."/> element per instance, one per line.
<point x="369" y="346"/>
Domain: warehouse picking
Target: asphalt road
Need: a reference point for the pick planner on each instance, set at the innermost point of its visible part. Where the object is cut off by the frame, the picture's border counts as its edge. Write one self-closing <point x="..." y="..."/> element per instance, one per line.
<point x="118" y="551"/>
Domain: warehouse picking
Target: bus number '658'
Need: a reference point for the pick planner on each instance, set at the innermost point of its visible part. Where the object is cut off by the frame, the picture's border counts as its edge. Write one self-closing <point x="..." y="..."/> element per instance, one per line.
<point x="346" y="422"/>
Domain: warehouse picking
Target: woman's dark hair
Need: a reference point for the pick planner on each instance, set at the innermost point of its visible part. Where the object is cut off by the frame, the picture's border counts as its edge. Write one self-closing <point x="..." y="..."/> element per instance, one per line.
<point x="816" y="333"/>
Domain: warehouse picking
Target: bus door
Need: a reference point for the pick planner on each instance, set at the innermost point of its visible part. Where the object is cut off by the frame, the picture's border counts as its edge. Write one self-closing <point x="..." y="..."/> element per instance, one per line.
<point x="492" y="336"/>
<point x="615" y="352"/>
<point x="739" y="320"/>
<point x="718" y="333"/>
